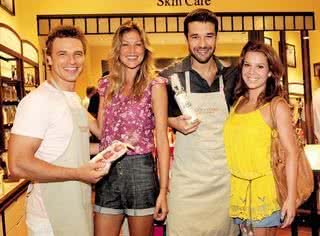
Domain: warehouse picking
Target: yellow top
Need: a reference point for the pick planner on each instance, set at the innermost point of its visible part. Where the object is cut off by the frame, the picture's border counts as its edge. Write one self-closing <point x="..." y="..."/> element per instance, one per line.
<point x="247" y="139"/>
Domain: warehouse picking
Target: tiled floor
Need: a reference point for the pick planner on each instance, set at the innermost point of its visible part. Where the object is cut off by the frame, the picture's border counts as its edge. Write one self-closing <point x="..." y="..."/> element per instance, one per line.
<point x="303" y="231"/>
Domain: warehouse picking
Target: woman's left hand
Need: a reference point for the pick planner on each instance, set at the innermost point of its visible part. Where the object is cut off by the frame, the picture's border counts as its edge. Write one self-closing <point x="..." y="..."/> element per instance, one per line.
<point x="288" y="212"/>
<point x="161" y="210"/>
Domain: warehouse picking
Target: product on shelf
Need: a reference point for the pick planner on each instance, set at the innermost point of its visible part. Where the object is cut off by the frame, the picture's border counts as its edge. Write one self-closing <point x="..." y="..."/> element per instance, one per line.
<point x="9" y="93"/>
<point x="6" y="138"/>
<point x="8" y="113"/>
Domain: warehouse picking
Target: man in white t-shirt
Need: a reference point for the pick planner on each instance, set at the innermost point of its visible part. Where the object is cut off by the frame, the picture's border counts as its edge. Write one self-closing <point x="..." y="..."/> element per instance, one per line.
<point x="316" y="113"/>
<point x="49" y="144"/>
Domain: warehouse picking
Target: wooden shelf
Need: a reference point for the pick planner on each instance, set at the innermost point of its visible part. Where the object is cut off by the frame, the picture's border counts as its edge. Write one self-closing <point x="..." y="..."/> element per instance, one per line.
<point x="3" y="150"/>
<point x="30" y="86"/>
<point x="10" y="103"/>
<point x="9" y="81"/>
<point x="8" y="126"/>
<point x="23" y="55"/>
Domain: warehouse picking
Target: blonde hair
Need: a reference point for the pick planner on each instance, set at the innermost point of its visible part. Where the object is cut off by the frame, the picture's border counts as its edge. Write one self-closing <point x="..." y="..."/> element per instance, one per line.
<point x="145" y="74"/>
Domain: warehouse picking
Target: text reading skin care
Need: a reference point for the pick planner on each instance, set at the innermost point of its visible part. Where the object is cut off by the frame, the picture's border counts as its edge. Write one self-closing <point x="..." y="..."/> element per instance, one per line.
<point x="183" y="3"/>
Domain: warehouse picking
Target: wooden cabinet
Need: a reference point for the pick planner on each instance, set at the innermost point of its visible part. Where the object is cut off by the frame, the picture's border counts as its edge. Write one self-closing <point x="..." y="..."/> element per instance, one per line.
<point x="14" y="216"/>
<point x="1" y="227"/>
<point x="13" y="209"/>
<point x="20" y="228"/>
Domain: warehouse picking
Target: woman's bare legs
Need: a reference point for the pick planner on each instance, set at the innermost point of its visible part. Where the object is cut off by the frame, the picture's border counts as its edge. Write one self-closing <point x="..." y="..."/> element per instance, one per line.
<point x="140" y="225"/>
<point x="107" y="225"/>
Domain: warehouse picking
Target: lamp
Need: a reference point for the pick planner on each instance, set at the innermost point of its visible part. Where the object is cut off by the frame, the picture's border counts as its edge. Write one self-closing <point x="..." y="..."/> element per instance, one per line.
<point x="313" y="154"/>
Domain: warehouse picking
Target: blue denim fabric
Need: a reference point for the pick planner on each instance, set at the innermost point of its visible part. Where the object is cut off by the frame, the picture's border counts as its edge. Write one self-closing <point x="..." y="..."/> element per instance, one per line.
<point x="270" y="221"/>
<point x="131" y="187"/>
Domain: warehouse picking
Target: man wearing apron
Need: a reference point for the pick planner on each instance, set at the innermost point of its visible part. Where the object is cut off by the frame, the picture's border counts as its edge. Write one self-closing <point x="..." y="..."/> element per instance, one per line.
<point x="49" y="144"/>
<point x="200" y="188"/>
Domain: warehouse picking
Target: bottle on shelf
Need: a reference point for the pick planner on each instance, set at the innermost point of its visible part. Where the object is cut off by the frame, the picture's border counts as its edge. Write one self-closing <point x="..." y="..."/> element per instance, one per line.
<point x="33" y="80"/>
<point x="28" y="79"/>
<point x="14" y="72"/>
<point x="4" y="115"/>
<point x="9" y="93"/>
<point x="6" y="138"/>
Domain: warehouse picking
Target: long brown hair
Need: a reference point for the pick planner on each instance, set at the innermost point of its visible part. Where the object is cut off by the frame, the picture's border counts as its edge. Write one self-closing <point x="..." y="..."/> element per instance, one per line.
<point x="117" y="75"/>
<point x="273" y="87"/>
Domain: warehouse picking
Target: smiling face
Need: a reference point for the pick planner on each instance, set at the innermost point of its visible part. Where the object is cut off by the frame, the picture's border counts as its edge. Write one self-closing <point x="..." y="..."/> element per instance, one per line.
<point x="132" y="50"/>
<point x="255" y="71"/>
<point x="66" y="61"/>
<point x="201" y="40"/>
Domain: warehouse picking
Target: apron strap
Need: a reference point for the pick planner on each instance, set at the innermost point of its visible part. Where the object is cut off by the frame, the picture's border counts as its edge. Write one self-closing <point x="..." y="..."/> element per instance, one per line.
<point x="55" y="85"/>
<point x="187" y="76"/>
<point x="175" y="83"/>
<point x="188" y="90"/>
<point x="221" y="85"/>
<point x="83" y="124"/>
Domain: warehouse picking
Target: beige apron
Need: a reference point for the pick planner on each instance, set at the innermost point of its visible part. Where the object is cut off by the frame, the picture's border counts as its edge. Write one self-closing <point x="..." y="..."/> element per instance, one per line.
<point x="200" y="184"/>
<point x="68" y="204"/>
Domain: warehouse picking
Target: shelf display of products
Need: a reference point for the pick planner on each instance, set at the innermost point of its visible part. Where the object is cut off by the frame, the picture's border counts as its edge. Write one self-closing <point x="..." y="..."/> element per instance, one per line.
<point x="19" y="73"/>
<point x="8" y="113"/>
<point x="9" y="93"/>
<point x="6" y="138"/>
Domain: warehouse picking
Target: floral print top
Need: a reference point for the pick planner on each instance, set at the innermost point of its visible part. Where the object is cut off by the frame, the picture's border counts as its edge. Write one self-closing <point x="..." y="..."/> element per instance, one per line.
<point x="129" y="120"/>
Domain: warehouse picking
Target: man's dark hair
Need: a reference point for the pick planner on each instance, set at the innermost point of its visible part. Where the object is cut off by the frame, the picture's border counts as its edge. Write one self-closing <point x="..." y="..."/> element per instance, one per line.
<point x="64" y="31"/>
<point x="200" y="15"/>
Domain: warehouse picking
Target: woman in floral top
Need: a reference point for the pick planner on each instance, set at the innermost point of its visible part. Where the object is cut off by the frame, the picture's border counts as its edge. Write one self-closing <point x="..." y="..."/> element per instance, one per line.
<point x="133" y="108"/>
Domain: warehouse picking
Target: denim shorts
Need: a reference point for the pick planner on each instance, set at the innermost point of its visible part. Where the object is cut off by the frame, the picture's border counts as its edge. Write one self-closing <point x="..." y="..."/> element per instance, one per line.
<point x="131" y="187"/>
<point x="270" y="221"/>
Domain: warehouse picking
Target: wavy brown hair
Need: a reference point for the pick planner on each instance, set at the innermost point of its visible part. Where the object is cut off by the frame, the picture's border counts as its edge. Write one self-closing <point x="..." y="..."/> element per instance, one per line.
<point x="273" y="87"/>
<point x="146" y="72"/>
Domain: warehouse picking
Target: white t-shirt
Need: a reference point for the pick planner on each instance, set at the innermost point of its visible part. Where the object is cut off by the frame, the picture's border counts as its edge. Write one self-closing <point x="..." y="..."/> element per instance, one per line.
<point x="316" y="113"/>
<point x="45" y="114"/>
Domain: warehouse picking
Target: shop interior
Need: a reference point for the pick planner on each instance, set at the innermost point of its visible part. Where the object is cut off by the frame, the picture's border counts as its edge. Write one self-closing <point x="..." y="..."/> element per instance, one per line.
<point x="293" y="33"/>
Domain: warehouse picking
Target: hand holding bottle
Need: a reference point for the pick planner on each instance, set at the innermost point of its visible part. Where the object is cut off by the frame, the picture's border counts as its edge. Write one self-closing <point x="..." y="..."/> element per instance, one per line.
<point x="183" y="124"/>
<point x="111" y="153"/>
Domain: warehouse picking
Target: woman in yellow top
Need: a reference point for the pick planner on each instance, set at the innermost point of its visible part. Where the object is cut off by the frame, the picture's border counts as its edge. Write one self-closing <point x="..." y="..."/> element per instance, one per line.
<point x="247" y="136"/>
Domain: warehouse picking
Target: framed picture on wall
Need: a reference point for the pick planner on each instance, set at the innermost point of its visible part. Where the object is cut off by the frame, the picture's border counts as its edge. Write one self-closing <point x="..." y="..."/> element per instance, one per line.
<point x="8" y="5"/>
<point x="268" y="41"/>
<point x="291" y="55"/>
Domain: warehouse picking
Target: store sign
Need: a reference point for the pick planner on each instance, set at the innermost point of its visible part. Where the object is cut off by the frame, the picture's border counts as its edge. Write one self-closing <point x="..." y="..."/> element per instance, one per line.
<point x="172" y="3"/>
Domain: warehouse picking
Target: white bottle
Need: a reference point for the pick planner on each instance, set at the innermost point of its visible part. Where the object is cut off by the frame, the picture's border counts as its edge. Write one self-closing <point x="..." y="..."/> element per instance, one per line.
<point x="182" y="100"/>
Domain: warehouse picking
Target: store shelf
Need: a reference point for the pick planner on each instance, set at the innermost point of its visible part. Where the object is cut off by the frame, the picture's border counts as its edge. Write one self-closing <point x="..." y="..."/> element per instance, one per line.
<point x="9" y="103"/>
<point x="7" y="126"/>
<point x="3" y="150"/>
<point x="19" y="60"/>
<point x="30" y="86"/>
<point x="8" y="81"/>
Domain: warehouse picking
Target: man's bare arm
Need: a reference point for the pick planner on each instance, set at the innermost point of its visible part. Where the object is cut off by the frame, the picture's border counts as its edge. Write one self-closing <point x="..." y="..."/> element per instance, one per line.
<point x="23" y="164"/>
